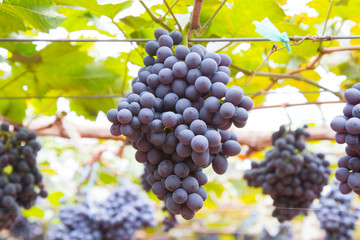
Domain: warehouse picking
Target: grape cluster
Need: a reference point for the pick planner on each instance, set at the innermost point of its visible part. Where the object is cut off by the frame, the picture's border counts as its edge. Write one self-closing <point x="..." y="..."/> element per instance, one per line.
<point x="170" y="221"/>
<point x="347" y="128"/>
<point x="285" y="233"/>
<point x="24" y="229"/>
<point x="118" y="217"/>
<point x="336" y="214"/>
<point x="177" y="117"/>
<point x="20" y="179"/>
<point x="291" y="176"/>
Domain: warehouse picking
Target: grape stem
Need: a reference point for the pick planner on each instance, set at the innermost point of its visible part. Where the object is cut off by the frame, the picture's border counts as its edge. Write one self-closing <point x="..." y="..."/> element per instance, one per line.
<point x="8" y="139"/>
<point x="195" y="17"/>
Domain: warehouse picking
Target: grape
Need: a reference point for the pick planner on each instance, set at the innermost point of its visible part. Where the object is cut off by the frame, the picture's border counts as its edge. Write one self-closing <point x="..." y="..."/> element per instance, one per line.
<point x="352" y="96"/>
<point x="353" y="126"/>
<point x="190" y="114"/>
<point x="213" y="56"/>
<point x="213" y="137"/>
<point x="166" y="76"/>
<point x="246" y="103"/>
<point x="169" y="119"/>
<point x="165" y="40"/>
<point x="201" y="177"/>
<point x="154" y="156"/>
<point x="198" y="50"/>
<point x="203" y="84"/>
<point x="234" y="95"/>
<point x="347" y="110"/>
<point x="212" y="104"/>
<point x="145" y="115"/>
<point x="172" y="206"/>
<point x="182" y="104"/>
<point x="159" y="32"/>
<point x="342" y="174"/>
<point x="227" y="110"/>
<point x="218" y="90"/>
<point x="200" y="158"/>
<point x="193" y="60"/>
<point x="198" y="127"/>
<point x="172" y="183"/>
<point x="153" y="80"/>
<point x="163" y="53"/>
<point x="181" y="170"/>
<point x="115" y="129"/>
<point x="220" y="164"/>
<point x="178" y="87"/>
<point x="123" y="105"/>
<point x="179" y="69"/>
<point x="224" y="70"/>
<point x="141" y="157"/>
<point x="170" y="100"/>
<point x="206" y="116"/>
<point x="187" y="213"/>
<point x="231" y="148"/>
<point x="157" y="139"/>
<point x="202" y="192"/>
<point x="190" y="184"/>
<point x="139" y="87"/>
<point x="194" y="202"/>
<point x="176" y="36"/>
<point x="112" y="115"/>
<point x="183" y="150"/>
<point x="208" y="67"/>
<point x="338" y="124"/>
<point x="180" y="196"/>
<point x="147" y="100"/>
<point x="151" y="47"/>
<point x="170" y="61"/>
<point x="162" y="90"/>
<point x="157" y="67"/>
<point x="199" y="143"/>
<point x="225" y="60"/>
<point x="185" y="136"/>
<point x="181" y="52"/>
<point x="149" y="61"/>
<point x="191" y="93"/>
<point x="192" y="75"/>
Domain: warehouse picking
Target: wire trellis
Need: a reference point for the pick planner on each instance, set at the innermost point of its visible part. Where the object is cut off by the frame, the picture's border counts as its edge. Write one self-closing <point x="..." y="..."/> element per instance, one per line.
<point x="252" y="39"/>
<point x="121" y="95"/>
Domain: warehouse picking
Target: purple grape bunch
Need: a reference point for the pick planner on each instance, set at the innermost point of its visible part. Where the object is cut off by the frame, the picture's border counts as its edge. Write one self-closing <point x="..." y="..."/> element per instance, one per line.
<point x="347" y="128"/>
<point x="118" y="217"/>
<point x="20" y="179"/>
<point x="336" y="214"/>
<point x="290" y="175"/>
<point x="178" y="117"/>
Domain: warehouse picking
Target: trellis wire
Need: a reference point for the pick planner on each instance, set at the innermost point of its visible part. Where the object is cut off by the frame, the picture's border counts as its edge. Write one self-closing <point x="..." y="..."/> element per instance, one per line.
<point x="254" y="39"/>
<point x="121" y="95"/>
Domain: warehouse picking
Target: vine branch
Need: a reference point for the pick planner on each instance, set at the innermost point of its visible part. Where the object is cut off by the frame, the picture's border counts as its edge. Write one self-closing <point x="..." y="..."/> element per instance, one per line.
<point x="195" y="17"/>
<point x="154" y="17"/>
<point x="206" y="25"/>
<point x="173" y="15"/>
<point x="167" y="12"/>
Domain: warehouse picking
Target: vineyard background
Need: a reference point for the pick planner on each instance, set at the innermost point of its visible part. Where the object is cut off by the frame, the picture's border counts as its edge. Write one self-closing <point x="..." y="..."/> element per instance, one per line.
<point x="62" y="90"/>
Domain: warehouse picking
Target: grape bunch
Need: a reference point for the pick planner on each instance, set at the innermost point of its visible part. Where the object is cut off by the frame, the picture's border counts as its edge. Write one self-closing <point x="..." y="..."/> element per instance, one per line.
<point x="290" y="175"/>
<point x="118" y="217"/>
<point x="336" y="214"/>
<point x="26" y="230"/>
<point x="177" y="117"/>
<point x="347" y="128"/>
<point x="20" y="179"/>
<point x="285" y="233"/>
